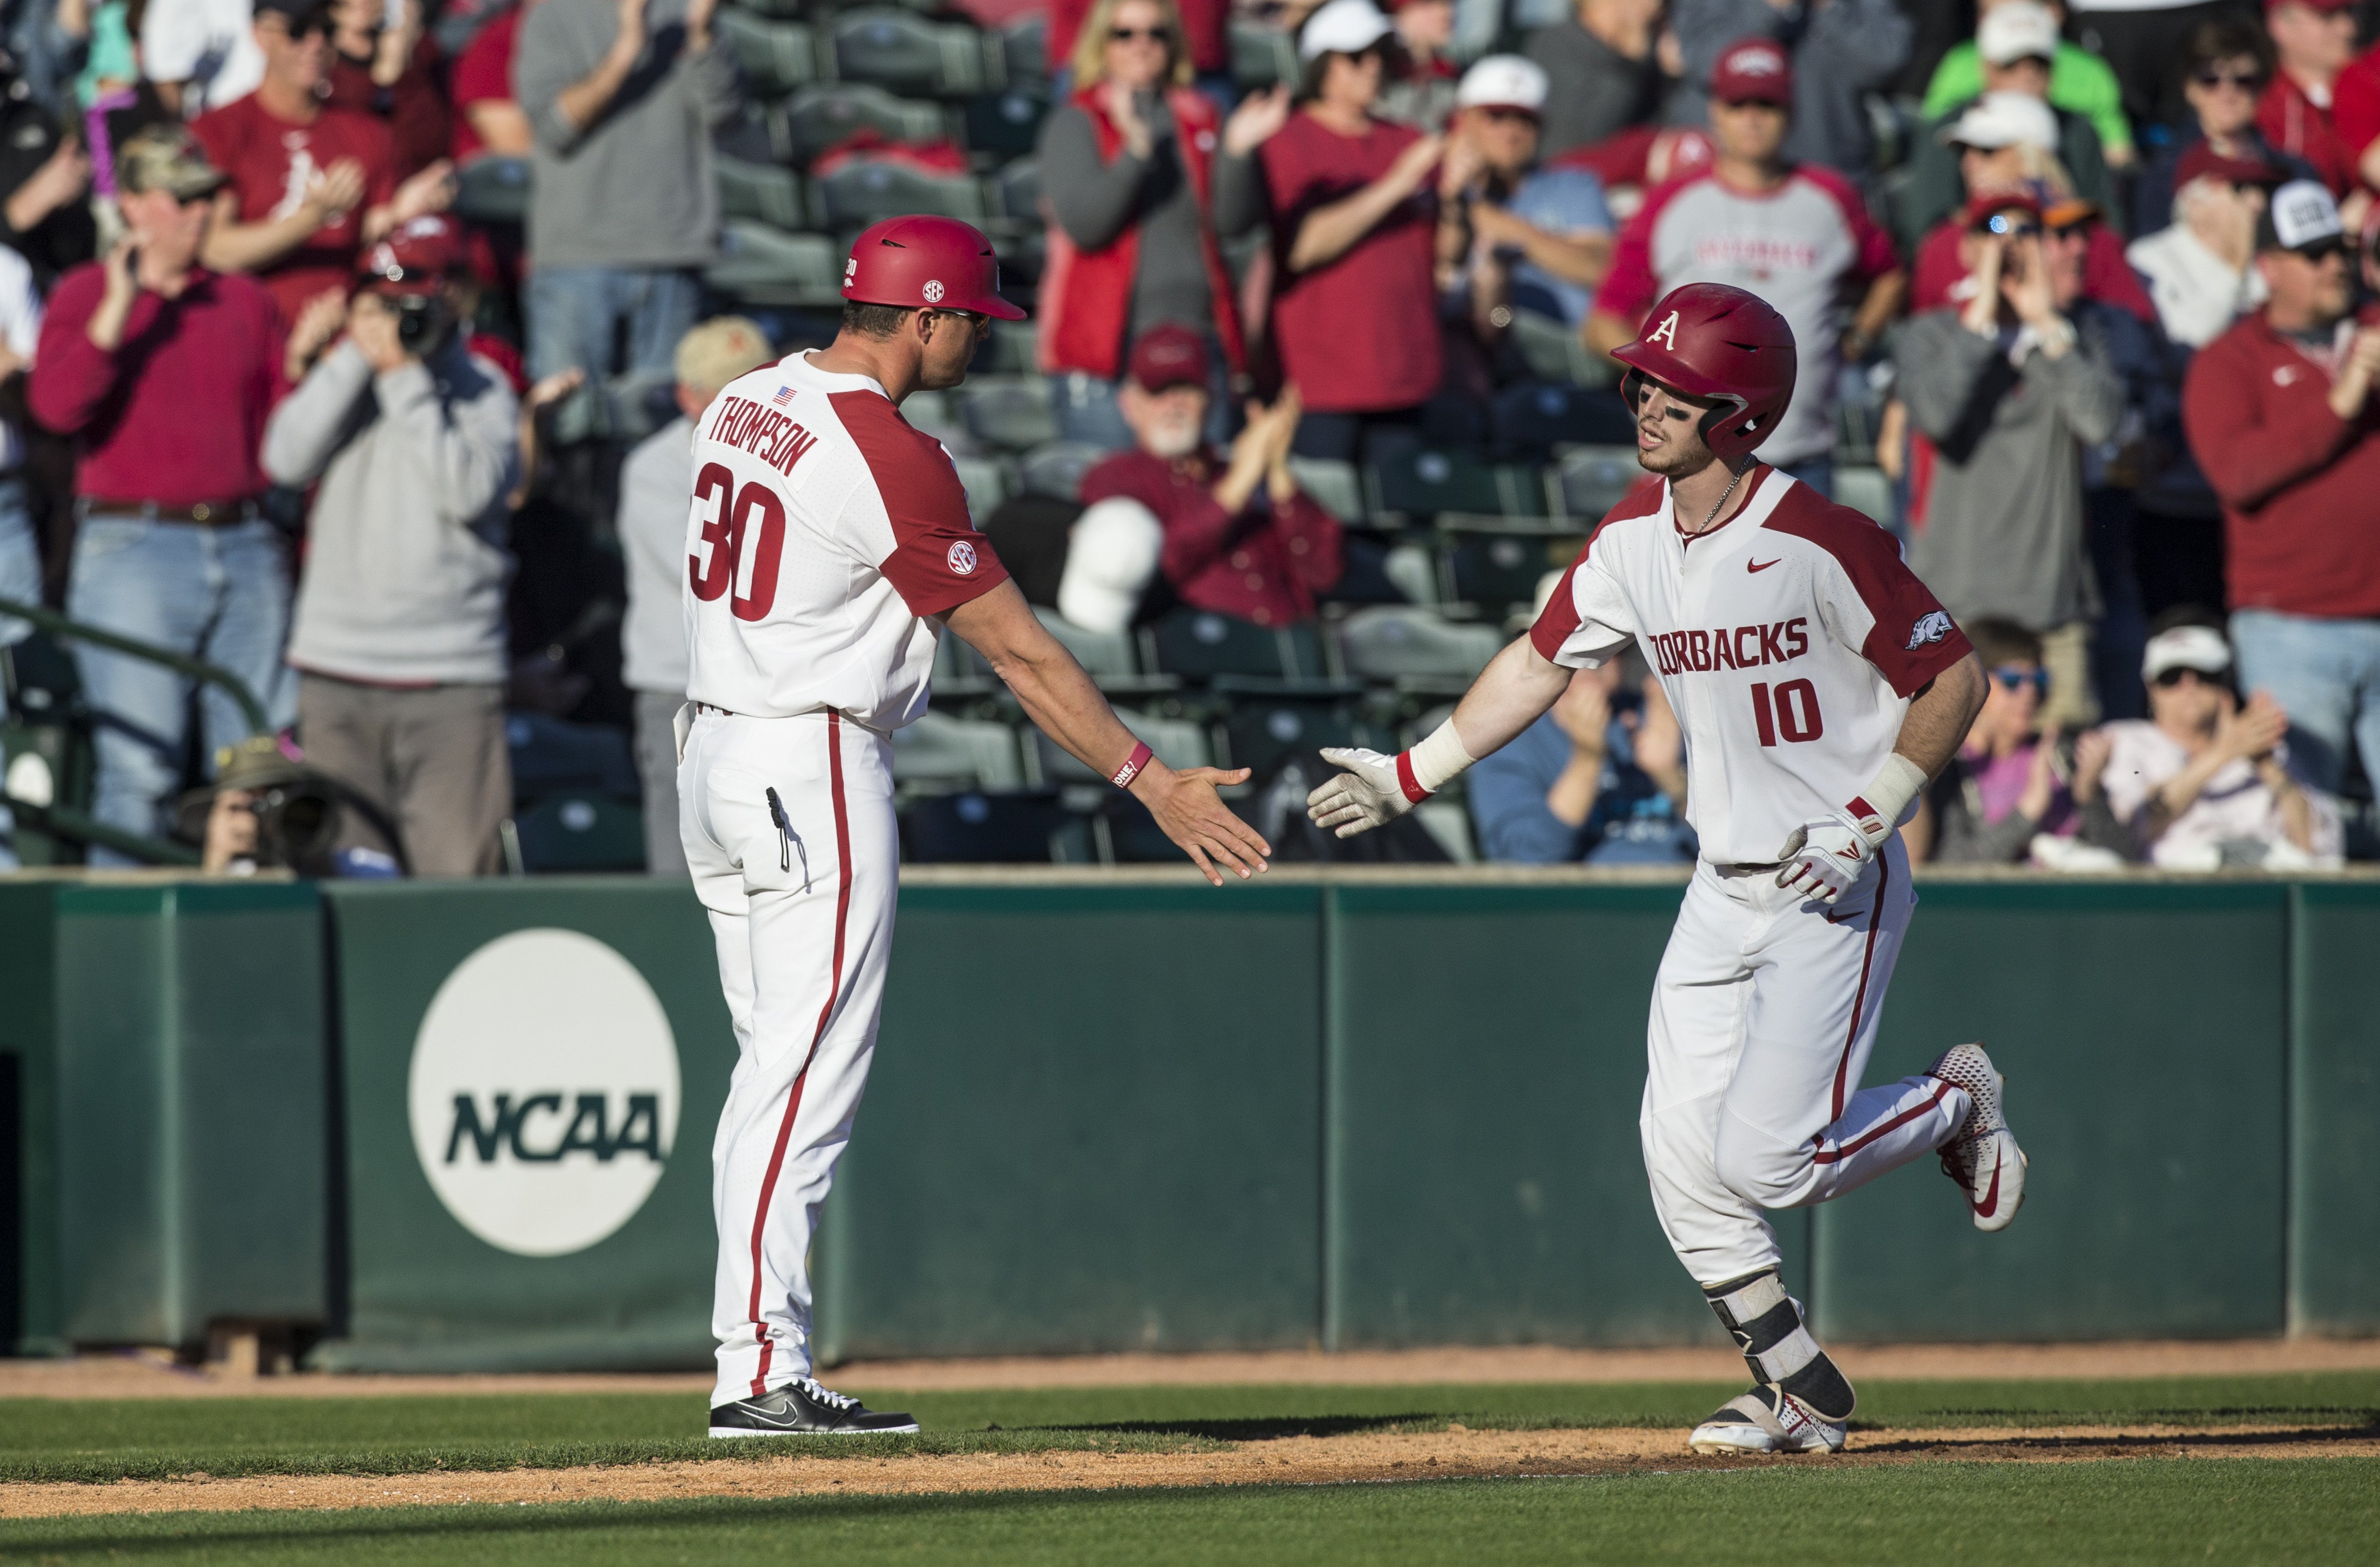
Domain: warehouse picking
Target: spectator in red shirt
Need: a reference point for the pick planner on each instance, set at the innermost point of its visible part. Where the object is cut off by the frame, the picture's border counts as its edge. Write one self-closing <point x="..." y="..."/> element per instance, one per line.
<point x="1244" y="542"/>
<point x="2312" y="40"/>
<point x="2281" y="412"/>
<point x="390" y="73"/>
<point x="488" y="119"/>
<point x="310" y="186"/>
<point x="2355" y="114"/>
<point x="1354" y="203"/>
<point x="166" y="370"/>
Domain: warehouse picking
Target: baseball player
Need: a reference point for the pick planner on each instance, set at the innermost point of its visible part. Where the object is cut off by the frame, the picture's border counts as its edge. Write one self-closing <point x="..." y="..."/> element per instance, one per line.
<point x="1820" y="686"/>
<point x="826" y="546"/>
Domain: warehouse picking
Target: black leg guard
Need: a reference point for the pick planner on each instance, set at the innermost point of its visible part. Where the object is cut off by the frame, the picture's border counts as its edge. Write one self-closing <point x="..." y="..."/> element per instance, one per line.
<point x="1767" y="1324"/>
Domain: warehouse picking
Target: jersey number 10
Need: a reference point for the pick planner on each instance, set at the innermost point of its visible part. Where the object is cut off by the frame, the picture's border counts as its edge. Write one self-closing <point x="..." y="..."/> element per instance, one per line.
<point x="729" y="525"/>
<point x="1791" y="711"/>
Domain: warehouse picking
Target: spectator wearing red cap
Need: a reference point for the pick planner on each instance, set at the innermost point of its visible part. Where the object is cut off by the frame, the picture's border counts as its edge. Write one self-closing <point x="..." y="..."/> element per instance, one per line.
<point x="309" y="185"/>
<point x="1940" y="274"/>
<point x="1798" y="237"/>
<point x="2281" y="412"/>
<point x="2200" y="268"/>
<point x="1355" y="201"/>
<point x="2312" y="40"/>
<point x="1239" y="537"/>
<point x="1843" y="50"/>
<point x="164" y="371"/>
<point x="398" y="637"/>
<point x="1144" y="180"/>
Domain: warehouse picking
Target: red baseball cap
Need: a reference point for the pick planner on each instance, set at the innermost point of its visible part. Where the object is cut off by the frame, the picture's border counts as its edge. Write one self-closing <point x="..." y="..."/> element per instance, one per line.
<point x="1165" y="357"/>
<point x="926" y="264"/>
<point x="415" y="257"/>
<point x="2204" y="161"/>
<point x="1754" y="71"/>
<point x="1983" y="204"/>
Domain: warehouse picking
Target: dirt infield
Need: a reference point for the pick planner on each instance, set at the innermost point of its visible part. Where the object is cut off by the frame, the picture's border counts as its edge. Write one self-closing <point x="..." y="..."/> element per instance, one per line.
<point x="150" y="1375"/>
<point x="1302" y="1459"/>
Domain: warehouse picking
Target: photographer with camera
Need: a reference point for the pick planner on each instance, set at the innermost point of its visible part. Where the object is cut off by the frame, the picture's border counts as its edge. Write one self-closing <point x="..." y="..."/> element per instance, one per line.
<point x="399" y="633"/>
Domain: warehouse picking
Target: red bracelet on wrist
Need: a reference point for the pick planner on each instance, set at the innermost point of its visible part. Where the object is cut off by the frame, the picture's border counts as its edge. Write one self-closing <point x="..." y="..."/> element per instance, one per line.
<point x="1407" y="781"/>
<point x="1123" y="776"/>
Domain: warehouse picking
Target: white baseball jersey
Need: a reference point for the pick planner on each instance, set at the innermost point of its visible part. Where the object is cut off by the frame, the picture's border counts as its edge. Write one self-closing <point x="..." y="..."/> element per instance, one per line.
<point x="824" y="531"/>
<point x="1788" y="641"/>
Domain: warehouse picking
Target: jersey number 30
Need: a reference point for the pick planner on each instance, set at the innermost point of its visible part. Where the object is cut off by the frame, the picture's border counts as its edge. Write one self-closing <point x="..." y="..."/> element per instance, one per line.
<point x="1791" y="711"/>
<point x="731" y="513"/>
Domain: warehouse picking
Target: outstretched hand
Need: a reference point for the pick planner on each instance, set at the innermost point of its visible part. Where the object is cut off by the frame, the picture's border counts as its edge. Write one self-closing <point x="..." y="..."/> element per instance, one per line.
<point x="1189" y="811"/>
<point x="1366" y="796"/>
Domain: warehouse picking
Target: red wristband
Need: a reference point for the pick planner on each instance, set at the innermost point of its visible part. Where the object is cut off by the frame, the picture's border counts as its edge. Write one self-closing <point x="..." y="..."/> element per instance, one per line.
<point x="1123" y="776"/>
<point x="1407" y="781"/>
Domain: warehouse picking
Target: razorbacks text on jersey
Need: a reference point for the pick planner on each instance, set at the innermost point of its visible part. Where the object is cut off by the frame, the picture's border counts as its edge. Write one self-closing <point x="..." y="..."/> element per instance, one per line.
<point x="1788" y="639"/>
<point x="824" y="531"/>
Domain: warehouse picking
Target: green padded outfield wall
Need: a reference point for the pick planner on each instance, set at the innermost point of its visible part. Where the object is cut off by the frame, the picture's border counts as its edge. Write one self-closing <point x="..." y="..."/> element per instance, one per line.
<point x="1486" y="1060"/>
<point x="2143" y="1030"/>
<point x="1093" y="1123"/>
<point x="532" y="1073"/>
<point x="2335" y="1108"/>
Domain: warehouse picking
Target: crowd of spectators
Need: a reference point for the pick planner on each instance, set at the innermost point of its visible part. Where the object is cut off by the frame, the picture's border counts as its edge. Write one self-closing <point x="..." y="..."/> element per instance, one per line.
<point x="2082" y="289"/>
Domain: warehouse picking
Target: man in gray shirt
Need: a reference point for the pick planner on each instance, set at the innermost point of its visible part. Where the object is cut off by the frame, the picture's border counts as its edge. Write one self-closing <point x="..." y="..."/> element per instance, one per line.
<point x="1842" y="51"/>
<point x="2007" y="392"/>
<point x="622" y="96"/>
<point x="1603" y="71"/>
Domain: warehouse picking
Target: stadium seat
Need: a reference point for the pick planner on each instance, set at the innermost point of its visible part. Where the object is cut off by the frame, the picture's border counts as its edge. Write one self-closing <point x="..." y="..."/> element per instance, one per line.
<point x="1428" y="480"/>
<point x="1335" y="486"/>
<point x="1055" y="468"/>
<point x="1004" y="124"/>
<point x="1531" y="419"/>
<point x="760" y="265"/>
<point x="1593" y="479"/>
<point x="759" y="192"/>
<point x="1265" y="731"/>
<point x="935" y="415"/>
<point x="1389" y="642"/>
<point x="1019" y="186"/>
<point x="777" y="56"/>
<point x="987" y="483"/>
<point x="1178" y="742"/>
<point x="492" y="189"/>
<point x="1555" y="352"/>
<point x="1104" y="655"/>
<point x="1495" y="569"/>
<point x="867" y="190"/>
<point x="817" y="118"/>
<point x="975" y="828"/>
<point x="779" y="10"/>
<point x="1010" y="348"/>
<point x="1025" y="45"/>
<point x="1009" y="413"/>
<point x="1865" y="490"/>
<point x="581" y="833"/>
<point x="1201" y="645"/>
<point x="1262" y="56"/>
<point x="906" y="52"/>
<point x="938" y="750"/>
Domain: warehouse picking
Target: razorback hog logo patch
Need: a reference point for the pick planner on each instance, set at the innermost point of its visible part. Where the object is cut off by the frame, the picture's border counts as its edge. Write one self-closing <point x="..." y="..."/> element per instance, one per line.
<point x="1930" y="628"/>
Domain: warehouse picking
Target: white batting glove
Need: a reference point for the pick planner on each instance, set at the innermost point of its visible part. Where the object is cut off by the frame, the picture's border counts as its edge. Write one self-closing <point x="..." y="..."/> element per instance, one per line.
<point x="1367" y="795"/>
<point x="1823" y="858"/>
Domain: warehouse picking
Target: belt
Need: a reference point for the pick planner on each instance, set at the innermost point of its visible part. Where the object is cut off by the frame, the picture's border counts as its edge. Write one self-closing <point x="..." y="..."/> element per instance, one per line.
<point x="706" y="707"/>
<point x="204" y="514"/>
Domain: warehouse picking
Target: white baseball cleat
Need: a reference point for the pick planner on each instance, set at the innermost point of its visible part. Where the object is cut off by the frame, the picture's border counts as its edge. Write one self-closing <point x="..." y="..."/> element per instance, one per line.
<point x="1767" y="1419"/>
<point x="1984" y="1158"/>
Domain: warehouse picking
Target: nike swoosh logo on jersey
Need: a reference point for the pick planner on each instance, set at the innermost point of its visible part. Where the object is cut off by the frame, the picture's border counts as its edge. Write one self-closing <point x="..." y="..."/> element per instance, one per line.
<point x="1760" y="565"/>
<point x="1992" y="1195"/>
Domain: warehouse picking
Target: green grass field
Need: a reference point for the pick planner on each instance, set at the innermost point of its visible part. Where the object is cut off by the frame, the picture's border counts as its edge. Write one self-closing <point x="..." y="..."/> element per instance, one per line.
<point x="2281" y="1509"/>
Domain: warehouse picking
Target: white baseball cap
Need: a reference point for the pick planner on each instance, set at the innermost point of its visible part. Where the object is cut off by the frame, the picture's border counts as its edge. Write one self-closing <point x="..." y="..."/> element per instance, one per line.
<point x="1342" y="27"/>
<point x="2017" y="30"/>
<point x="2200" y="647"/>
<point x="1503" y="81"/>
<point x="2303" y="214"/>
<point x="2004" y="119"/>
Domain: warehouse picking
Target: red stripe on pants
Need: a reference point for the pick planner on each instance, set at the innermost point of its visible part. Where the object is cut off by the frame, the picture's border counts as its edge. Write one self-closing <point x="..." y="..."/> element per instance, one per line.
<point x="1828" y="1156"/>
<point x="1859" y="999"/>
<point x="826" y="1013"/>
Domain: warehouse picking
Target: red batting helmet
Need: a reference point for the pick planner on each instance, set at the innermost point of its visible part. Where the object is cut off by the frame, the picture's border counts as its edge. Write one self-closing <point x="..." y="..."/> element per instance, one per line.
<point x="926" y="264"/>
<point x="1710" y="341"/>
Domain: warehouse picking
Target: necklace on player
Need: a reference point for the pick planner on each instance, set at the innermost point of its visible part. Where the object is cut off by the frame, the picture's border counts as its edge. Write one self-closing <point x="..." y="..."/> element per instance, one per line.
<point x="1723" y="494"/>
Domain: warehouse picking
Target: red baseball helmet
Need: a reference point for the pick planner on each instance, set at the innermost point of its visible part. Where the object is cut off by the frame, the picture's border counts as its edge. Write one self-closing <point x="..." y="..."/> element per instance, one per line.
<point x="1708" y="340"/>
<point x="926" y="264"/>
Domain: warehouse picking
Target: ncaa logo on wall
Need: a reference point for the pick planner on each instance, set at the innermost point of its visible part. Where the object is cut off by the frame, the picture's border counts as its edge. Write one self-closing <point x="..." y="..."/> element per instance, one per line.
<point x="543" y="1093"/>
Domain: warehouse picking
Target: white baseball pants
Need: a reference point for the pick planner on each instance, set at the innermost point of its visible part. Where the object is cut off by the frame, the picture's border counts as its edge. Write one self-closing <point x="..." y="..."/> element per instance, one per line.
<point x="1764" y="1014"/>
<point x="802" y="912"/>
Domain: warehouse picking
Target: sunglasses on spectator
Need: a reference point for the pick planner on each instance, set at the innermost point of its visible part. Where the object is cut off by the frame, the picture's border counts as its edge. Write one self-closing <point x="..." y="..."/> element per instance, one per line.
<point x="1132" y="34"/>
<point x="2009" y="225"/>
<point x="2168" y="679"/>
<point x="2247" y="81"/>
<point x="2321" y="251"/>
<point x="2016" y="677"/>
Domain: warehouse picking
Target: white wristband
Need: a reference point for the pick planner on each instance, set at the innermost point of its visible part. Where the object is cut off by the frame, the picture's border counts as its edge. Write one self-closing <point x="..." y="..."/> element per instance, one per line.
<point x="1878" y="807"/>
<point x="1439" y="757"/>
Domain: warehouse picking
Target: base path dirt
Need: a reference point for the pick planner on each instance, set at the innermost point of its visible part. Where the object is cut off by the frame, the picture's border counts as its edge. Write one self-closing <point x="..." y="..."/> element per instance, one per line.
<point x="146" y="1375"/>
<point x="1366" y="1457"/>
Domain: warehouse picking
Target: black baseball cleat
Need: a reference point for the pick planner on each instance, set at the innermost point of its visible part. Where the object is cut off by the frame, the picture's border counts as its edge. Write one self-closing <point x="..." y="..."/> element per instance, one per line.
<point x="803" y="1409"/>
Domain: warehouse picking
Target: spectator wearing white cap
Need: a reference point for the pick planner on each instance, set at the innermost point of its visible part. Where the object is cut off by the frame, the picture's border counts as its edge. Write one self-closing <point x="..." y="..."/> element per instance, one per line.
<point x="1842" y="51"/>
<point x="2281" y="412"/>
<point x="1605" y="71"/>
<point x="2010" y="137"/>
<point x="2207" y="780"/>
<point x="1524" y="238"/>
<point x="1355" y="204"/>
<point x="655" y="482"/>
<point x="2076" y="79"/>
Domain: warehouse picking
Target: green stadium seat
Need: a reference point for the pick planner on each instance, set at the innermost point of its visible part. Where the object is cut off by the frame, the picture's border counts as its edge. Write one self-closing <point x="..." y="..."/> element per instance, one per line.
<point x="1335" y="486"/>
<point x="1104" y="655"/>
<point x="935" y="414"/>
<point x="867" y="190"/>
<point x="759" y="192"/>
<point x="1262" y="56"/>
<point x="1019" y="188"/>
<point x="1004" y="124"/>
<point x="776" y="10"/>
<point x="581" y="833"/>
<point x="987" y="481"/>
<point x="1263" y="732"/>
<point x="1012" y="347"/>
<point x="1009" y="413"/>
<point x="942" y="751"/>
<point x="1392" y="642"/>
<point x="976" y="828"/>
<point x="1429" y="479"/>
<point x="1555" y="352"/>
<point x="1497" y="568"/>
<point x="1201" y="645"/>
<point x="1055" y="468"/>
<point x="1178" y="743"/>
<point x="906" y="52"/>
<point x="1865" y="490"/>
<point x="777" y="56"/>
<point x="1593" y="479"/>
<point x="760" y="265"/>
<point x="1025" y="45"/>
<point x="817" y="118"/>
<point x="492" y="189"/>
